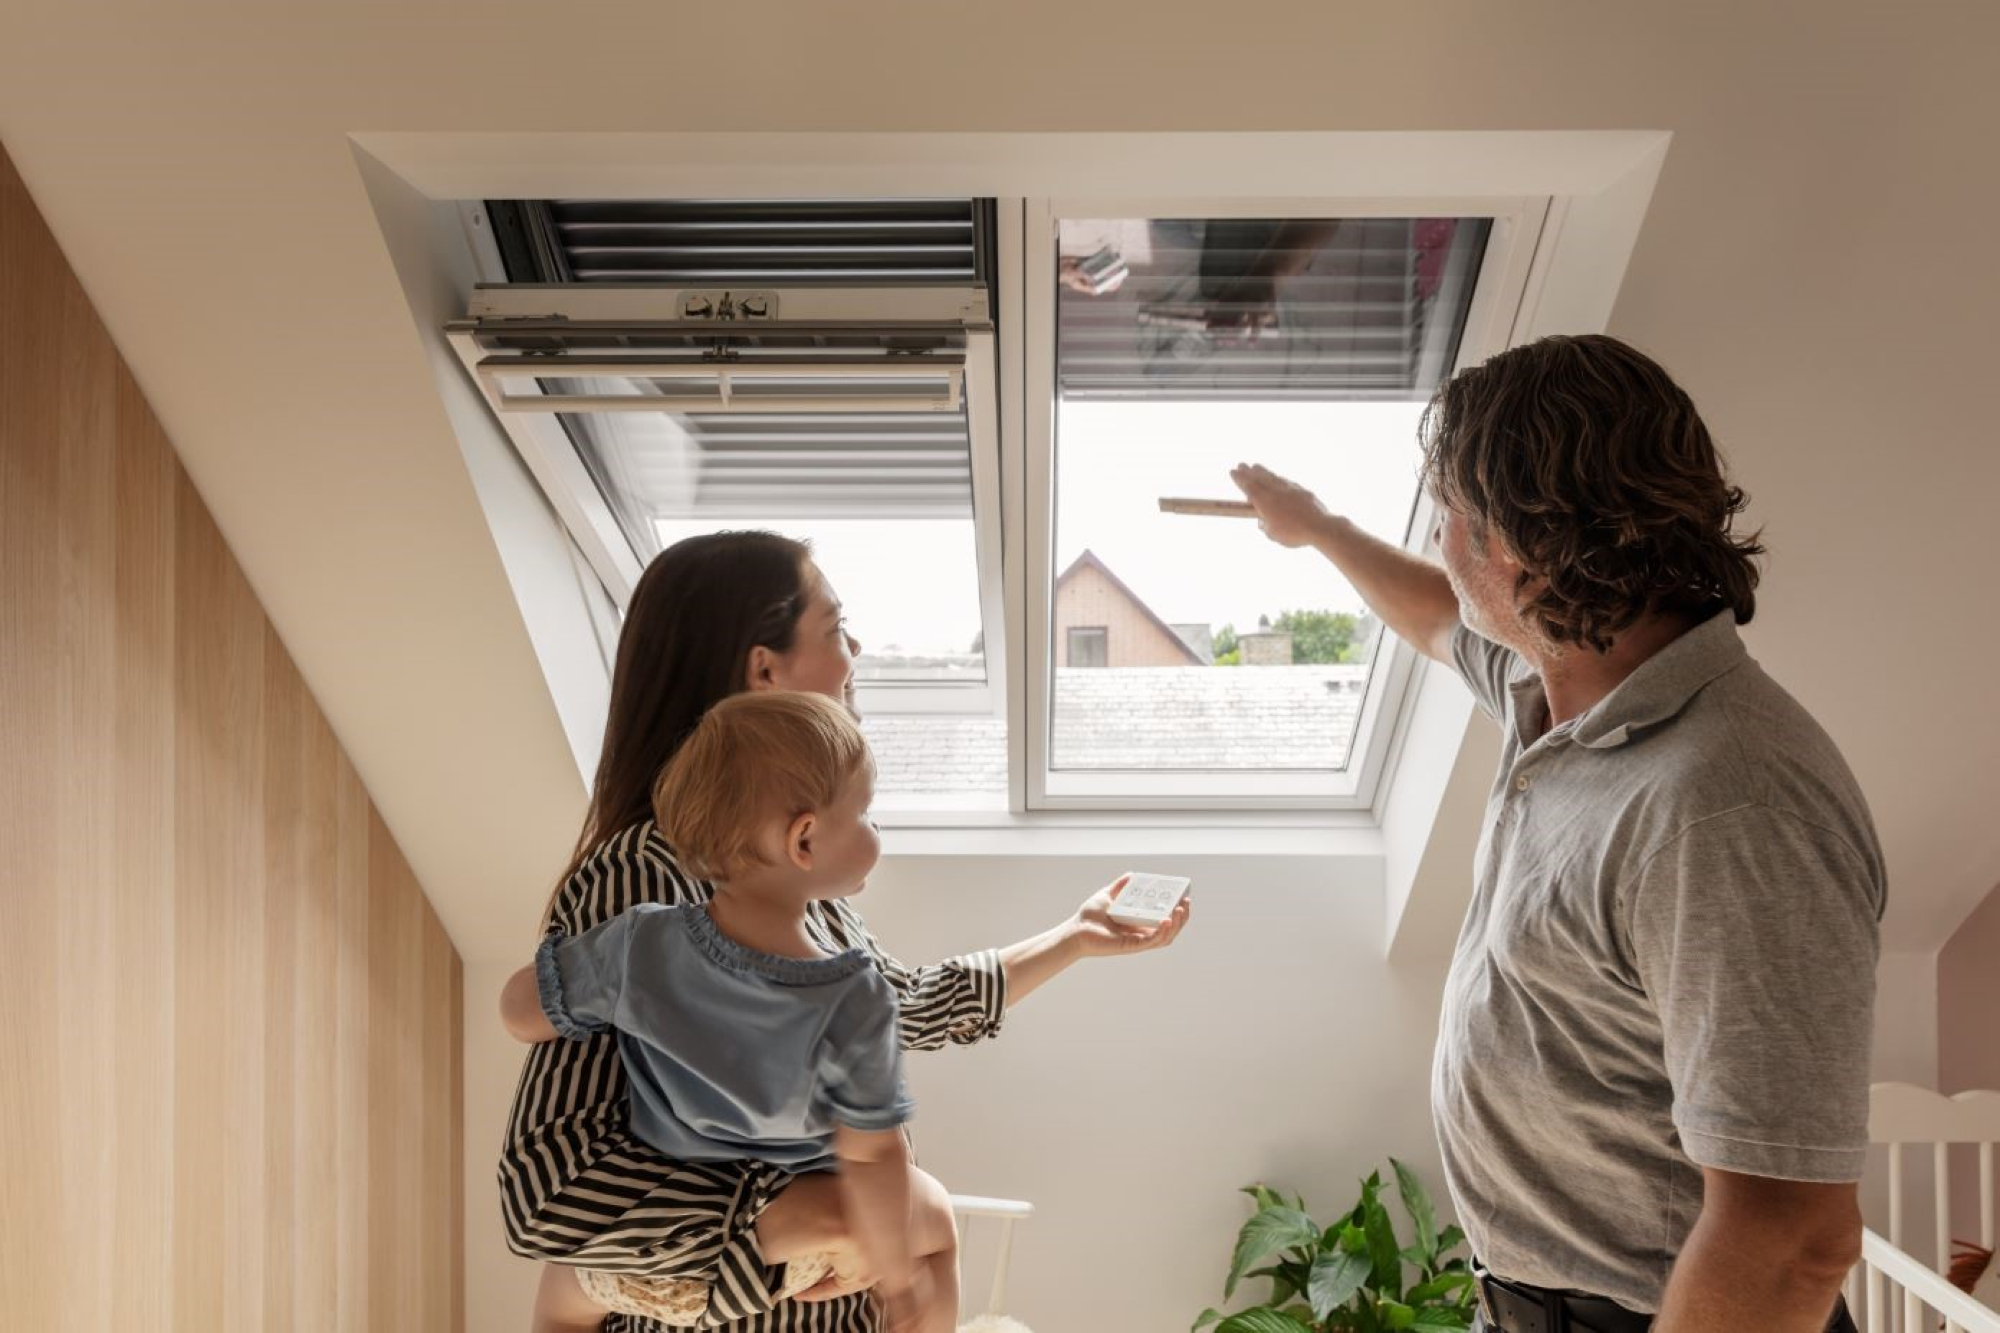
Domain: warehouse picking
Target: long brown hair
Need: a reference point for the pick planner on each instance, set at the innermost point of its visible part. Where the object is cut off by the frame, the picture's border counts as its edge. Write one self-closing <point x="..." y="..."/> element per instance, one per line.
<point x="699" y="609"/>
<point x="1600" y="476"/>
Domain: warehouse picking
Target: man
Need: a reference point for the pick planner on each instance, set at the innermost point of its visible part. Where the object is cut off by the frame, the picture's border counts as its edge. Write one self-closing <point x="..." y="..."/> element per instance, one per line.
<point x="1651" y="1081"/>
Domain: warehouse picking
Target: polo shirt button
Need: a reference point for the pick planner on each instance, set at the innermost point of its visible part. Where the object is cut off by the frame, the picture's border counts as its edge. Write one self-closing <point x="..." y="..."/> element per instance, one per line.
<point x="1521" y="783"/>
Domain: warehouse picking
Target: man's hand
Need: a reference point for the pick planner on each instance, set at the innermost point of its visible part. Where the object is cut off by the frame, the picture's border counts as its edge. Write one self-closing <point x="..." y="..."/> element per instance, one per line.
<point x="1289" y="514"/>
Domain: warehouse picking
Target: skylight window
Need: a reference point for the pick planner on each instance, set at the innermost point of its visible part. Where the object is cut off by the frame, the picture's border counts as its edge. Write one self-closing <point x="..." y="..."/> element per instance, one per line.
<point x="840" y="371"/>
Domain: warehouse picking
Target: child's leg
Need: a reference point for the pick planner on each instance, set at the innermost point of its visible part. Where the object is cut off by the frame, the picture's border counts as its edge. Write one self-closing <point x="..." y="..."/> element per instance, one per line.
<point x="561" y="1306"/>
<point x="934" y="1238"/>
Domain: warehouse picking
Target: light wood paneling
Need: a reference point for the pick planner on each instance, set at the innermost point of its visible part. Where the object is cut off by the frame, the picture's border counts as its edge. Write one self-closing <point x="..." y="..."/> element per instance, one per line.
<point x="231" y="1053"/>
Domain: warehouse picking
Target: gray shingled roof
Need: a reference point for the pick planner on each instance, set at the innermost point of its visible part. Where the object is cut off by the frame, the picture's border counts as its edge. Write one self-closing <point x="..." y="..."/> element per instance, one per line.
<point x="1141" y="717"/>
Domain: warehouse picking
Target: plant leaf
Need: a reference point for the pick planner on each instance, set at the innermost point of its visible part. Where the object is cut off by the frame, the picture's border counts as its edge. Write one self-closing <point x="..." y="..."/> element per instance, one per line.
<point x="1385" y="1256"/>
<point x="1284" y="1281"/>
<point x="1395" y="1315"/>
<point x="1438" y="1286"/>
<point x="1441" y="1322"/>
<point x="1422" y="1216"/>
<point x="1271" y="1230"/>
<point x="1451" y="1239"/>
<point x="1264" y="1195"/>
<point x="1208" y="1317"/>
<point x="1334" y="1280"/>
<point x="1261" y="1319"/>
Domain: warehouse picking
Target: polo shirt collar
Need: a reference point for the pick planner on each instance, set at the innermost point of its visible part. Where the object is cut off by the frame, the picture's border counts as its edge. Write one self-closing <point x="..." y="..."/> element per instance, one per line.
<point x="1657" y="691"/>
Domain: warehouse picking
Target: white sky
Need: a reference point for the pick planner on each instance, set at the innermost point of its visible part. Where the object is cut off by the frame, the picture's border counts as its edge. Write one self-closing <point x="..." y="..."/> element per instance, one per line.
<point x="912" y="585"/>
<point x="1115" y="460"/>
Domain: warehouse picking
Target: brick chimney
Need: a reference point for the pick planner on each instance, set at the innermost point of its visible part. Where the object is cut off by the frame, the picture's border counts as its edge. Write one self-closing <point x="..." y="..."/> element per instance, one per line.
<point x="1266" y="647"/>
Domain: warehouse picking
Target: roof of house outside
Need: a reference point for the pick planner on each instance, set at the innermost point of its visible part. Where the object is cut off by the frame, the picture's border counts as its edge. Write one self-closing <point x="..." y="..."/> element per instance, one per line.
<point x="1147" y="718"/>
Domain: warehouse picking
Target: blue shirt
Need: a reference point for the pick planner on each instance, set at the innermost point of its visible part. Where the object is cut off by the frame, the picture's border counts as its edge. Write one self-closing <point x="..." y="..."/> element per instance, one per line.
<point x="730" y="1053"/>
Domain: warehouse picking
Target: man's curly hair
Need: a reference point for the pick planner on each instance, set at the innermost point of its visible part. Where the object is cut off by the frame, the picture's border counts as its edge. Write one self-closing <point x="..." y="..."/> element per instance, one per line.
<point x="1596" y="471"/>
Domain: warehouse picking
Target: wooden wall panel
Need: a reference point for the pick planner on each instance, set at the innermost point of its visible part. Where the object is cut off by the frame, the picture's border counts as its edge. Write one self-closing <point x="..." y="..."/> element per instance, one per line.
<point x="230" y="1075"/>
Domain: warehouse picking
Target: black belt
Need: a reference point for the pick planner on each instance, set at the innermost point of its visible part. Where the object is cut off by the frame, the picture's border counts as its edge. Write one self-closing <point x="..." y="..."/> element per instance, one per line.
<point x="1515" y="1307"/>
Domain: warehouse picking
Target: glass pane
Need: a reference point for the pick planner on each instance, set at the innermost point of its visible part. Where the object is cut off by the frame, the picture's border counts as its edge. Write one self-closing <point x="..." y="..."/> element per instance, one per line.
<point x="910" y="589"/>
<point x="1185" y="346"/>
<point x="937" y="755"/>
<point x="885" y="498"/>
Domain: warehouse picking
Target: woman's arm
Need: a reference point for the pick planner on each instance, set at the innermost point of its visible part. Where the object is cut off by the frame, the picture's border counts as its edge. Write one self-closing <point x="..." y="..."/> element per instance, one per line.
<point x="1091" y="933"/>
<point x="963" y="999"/>
<point x="959" y="1001"/>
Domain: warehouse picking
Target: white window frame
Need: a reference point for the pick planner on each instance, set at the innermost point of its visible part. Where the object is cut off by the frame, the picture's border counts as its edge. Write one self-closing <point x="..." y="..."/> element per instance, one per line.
<point x="1028" y="266"/>
<point x="553" y="458"/>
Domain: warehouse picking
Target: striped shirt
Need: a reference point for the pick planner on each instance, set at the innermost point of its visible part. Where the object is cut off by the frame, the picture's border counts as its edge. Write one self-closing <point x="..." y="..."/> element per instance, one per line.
<point x="577" y="1187"/>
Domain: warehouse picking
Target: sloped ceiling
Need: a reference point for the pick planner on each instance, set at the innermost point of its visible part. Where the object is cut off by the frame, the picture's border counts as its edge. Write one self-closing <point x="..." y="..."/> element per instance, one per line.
<point x="1816" y="269"/>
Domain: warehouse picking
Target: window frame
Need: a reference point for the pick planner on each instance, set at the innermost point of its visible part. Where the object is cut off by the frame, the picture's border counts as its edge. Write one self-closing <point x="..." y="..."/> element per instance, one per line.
<point x="604" y="547"/>
<point x="1027" y="267"/>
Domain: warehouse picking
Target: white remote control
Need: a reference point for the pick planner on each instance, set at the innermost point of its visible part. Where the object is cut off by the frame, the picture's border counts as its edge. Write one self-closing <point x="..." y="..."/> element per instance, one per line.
<point x="1148" y="900"/>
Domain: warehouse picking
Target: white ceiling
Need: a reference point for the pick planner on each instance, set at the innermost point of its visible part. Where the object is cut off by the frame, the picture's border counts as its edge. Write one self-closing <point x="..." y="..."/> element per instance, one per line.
<point x="1816" y="269"/>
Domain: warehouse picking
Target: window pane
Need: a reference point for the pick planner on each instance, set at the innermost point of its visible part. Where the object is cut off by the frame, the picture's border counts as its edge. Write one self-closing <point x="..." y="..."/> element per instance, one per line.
<point x="909" y="587"/>
<point x="937" y="755"/>
<point x="1185" y="346"/>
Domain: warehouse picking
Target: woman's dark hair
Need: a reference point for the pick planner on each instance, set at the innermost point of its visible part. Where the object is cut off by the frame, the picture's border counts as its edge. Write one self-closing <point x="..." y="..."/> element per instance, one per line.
<point x="1597" y="472"/>
<point x="699" y="609"/>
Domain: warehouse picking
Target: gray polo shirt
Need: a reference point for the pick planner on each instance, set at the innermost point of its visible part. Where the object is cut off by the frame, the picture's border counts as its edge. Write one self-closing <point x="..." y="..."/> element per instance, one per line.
<point x="1668" y="964"/>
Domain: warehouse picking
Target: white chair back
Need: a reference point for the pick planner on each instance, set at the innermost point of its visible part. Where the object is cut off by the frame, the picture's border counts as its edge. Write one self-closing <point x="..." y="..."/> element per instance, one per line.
<point x="1006" y="1212"/>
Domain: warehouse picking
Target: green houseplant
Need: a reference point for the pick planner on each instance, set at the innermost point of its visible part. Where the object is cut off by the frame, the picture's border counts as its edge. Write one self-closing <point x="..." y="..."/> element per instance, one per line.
<point x="1349" y="1276"/>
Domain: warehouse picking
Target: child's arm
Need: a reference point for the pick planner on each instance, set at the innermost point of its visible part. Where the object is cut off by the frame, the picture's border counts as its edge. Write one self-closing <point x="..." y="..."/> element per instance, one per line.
<point x="521" y="1008"/>
<point x="875" y="1189"/>
<point x="573" y="987"/>
<point x="862" y="1084"/>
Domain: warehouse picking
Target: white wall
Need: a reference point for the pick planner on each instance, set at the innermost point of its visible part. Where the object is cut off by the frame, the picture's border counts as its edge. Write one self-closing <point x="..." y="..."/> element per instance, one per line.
<point x="1906" y="1051"/>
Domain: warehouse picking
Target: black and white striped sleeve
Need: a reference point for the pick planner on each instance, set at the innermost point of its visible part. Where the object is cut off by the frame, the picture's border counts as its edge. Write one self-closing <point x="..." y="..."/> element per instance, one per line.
<point x="576" y="1186"/>
<point x="961" y="1000"/>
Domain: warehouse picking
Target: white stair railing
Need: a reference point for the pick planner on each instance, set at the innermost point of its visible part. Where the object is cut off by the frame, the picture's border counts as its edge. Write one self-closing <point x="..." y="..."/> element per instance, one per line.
<point x="1891" y="1292"/>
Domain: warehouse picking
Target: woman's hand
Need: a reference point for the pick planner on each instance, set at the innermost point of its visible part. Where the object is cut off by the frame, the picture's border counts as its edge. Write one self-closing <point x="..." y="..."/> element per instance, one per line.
<point x="1090" y="933"/>
<point x="1098" y="935"/>
<point x="806" y="1218"/>
<point x="809" y="1217"/>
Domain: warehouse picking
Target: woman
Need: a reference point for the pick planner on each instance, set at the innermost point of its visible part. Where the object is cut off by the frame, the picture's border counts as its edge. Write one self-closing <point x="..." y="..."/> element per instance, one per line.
<point x="711" y="616"/>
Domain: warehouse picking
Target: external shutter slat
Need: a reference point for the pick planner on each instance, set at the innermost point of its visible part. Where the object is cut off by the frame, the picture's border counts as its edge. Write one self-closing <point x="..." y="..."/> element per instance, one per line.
<point x="808" y="465"/>
<point x="755" y="242"/>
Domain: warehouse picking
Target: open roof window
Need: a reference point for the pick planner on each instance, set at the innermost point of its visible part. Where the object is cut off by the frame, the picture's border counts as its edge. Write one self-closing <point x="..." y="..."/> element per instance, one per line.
<point x="834" y="370"/>
<point x="1178" y="660"/>
<point x="824" y="369"/>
